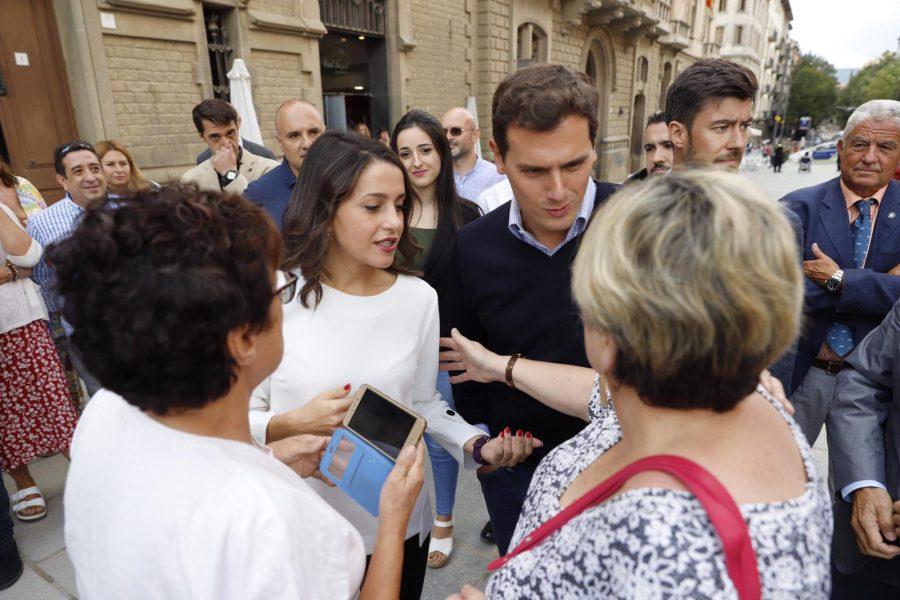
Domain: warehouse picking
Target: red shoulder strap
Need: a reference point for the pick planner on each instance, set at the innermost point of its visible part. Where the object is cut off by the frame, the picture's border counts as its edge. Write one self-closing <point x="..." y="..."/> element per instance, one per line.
<point x="740" y="559"/>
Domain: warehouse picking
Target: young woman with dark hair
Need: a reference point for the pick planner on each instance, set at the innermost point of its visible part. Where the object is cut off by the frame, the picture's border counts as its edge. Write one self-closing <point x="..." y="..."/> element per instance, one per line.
<point x="176" y="303"/>
<point x="362" y="318"/>
<point x="437" y="215"/>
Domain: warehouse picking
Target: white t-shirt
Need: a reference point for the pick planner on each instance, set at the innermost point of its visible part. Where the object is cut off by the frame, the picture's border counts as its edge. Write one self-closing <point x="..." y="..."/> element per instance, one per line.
<point x="155" y="513"/>
<point x="389" y="341"/>
<point x="495" y="196"/>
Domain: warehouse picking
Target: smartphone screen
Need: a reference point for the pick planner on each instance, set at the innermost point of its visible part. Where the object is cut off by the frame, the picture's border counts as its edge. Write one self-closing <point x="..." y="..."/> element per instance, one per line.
<point x="382" y="423"/>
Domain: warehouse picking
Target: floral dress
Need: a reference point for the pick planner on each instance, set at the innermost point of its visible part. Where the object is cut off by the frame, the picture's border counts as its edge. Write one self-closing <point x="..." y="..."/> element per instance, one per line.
<point x="659" y="543"/>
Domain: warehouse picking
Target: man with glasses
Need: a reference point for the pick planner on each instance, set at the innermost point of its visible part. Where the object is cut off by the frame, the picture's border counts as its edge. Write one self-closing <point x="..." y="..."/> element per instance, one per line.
<point x="79" y="172"/>
<point x="471" y="173"/>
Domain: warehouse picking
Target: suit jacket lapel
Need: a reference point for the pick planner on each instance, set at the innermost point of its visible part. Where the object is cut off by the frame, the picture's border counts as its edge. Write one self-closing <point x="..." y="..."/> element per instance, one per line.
<point x="835" y="221"/>
<point x="884" y="223"/>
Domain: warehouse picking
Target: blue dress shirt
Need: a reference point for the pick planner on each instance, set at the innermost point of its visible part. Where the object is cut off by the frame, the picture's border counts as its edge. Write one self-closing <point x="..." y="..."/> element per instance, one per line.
<point x="273" y="191"/>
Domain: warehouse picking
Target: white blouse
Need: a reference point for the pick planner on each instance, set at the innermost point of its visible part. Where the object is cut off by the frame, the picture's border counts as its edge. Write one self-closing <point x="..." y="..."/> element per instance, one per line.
<point x="160" y="514"/>
<point x="389" y="341"/>
<point x="20" y="300"/>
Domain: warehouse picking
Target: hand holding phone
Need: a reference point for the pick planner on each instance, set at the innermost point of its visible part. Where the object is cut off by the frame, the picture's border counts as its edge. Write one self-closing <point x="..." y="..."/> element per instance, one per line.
<point x="401" y="489"/>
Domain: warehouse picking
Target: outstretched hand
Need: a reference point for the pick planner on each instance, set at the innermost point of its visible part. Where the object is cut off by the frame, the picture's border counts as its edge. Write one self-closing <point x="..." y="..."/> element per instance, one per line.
<point x="476" y="362"/>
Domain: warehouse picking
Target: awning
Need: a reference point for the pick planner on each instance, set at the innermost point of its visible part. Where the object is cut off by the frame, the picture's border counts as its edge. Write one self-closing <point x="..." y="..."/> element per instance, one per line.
<point x="242" y="100"/>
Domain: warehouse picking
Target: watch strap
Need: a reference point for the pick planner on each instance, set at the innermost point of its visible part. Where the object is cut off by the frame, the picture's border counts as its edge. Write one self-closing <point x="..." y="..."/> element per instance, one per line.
<point x="476" y="450"/>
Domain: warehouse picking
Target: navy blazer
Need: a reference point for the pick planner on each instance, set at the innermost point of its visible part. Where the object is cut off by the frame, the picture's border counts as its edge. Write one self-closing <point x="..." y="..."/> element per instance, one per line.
<point x="273" y="191"/>
<point x="867" y="294"/>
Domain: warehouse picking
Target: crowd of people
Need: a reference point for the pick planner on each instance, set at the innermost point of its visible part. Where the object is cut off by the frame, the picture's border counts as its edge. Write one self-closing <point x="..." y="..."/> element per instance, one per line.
<point x="636" y="372"/>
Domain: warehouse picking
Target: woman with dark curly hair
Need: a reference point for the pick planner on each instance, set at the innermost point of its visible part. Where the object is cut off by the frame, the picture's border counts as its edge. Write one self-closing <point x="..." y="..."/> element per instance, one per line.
<point x="362" y="318"/>
<point x="176" y="305"/>
<point x="437" y="215"/>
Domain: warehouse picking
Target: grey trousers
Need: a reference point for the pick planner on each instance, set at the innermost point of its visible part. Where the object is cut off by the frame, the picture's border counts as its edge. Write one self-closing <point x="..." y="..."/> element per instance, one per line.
<point x="812" y="401"/>
<point x="90" y="382"/>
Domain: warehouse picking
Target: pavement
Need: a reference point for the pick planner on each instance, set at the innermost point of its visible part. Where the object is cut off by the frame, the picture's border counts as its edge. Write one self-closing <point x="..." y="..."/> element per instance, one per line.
<point x="49" y="574"/>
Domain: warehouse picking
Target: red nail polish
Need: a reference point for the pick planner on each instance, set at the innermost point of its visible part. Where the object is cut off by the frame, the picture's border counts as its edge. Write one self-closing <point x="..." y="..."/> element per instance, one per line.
<point x="502" y="432"/>
<point x="527" y="435"/>
<point x="347" y="388"/>
<point x="507" y="430"/>
<point x="519" y="433"/>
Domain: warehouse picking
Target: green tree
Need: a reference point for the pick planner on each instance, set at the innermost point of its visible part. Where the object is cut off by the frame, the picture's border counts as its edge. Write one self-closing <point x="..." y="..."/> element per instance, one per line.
<point x="878" y="79"/>
<point x="813" y="90"/>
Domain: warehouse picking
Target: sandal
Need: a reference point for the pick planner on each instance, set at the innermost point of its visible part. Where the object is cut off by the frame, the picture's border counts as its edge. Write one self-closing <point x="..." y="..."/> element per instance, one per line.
<point x="20" y="504"/>
<point x="439" y="549"/>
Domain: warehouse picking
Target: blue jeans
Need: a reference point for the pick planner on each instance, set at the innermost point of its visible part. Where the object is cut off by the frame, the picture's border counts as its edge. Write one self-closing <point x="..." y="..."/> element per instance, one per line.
<point x="443" y="465"/>
<point x="504" y="494"/>
<point x="6" y="522"/>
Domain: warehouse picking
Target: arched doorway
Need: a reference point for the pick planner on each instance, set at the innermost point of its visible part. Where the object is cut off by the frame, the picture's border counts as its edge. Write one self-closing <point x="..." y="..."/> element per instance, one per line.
<point x="595" y="66"/>
<point x="637" y="131"/>
<point x="664" y="85"/>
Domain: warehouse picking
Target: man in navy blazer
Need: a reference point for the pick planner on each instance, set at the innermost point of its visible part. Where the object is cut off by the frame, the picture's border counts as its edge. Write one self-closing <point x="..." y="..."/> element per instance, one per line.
<point x="851" y="256"/>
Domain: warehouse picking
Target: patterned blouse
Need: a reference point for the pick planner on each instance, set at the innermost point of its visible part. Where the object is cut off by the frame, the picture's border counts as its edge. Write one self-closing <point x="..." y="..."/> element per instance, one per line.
<point x="659" y="543"/>
<point x="29" y="197"/>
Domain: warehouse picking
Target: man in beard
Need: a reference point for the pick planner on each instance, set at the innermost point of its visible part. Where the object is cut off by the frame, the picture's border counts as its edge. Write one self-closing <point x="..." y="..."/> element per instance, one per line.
<point x="657" y="148"/>
<point x="709" y="108"/>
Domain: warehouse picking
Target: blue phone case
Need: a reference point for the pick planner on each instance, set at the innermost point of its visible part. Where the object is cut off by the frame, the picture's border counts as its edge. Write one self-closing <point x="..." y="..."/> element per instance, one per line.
<point x="365" y="473"/>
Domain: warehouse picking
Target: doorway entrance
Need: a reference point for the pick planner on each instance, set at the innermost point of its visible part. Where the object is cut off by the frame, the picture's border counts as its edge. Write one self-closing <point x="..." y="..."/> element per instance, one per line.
<point x="35" y="107"/>
<point x="353" y="57"/>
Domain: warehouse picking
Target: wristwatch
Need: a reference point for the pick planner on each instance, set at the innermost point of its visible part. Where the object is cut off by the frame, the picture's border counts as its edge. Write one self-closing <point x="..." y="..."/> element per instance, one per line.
<point x="833" y="283"/>
<point x="476" y="450"/>
<point x="231" y="175"/>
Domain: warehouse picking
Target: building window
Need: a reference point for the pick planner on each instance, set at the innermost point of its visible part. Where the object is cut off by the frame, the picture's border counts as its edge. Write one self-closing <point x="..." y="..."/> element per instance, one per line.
<point x="643" y="69"/>
<point x="219" y="50"/>
<point x="723" y="5"/>
<point x="720" y="35"/>
<point x="532" y="45"/>
<point x="358" y="16"/>
<point x="738" y="35"/>
<point x="743" y="5"/>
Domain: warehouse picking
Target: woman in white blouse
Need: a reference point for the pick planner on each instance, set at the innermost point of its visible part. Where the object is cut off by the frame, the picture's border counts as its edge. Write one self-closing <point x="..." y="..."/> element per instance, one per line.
<point x="361" y="319"/>
<point x="36" y="413"/>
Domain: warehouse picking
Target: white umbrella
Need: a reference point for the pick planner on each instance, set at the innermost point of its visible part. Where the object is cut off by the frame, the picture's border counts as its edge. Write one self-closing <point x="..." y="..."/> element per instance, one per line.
<point x="242" y="100"/>
<point x="472" y="107"/>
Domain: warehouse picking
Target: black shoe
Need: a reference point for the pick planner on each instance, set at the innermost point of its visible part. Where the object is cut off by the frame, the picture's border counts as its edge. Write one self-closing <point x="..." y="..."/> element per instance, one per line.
<point x="487" y="534"/>
<point x="10" y="564"/>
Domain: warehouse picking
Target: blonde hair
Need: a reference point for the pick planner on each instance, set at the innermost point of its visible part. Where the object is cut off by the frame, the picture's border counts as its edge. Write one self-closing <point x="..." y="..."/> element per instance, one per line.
<point x="696" y="277"/>
<point x="138" y="181"/>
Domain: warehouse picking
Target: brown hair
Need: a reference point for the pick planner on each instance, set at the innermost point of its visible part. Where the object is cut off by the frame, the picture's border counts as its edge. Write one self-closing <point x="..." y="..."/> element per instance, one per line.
<point x="539" y="97"/>
<point x="138" y="181"/>
<point x="329" y="175"/>
<point x="214" y="110"/>
<point x="7" y="176"/>
<point x="705" y="80"/>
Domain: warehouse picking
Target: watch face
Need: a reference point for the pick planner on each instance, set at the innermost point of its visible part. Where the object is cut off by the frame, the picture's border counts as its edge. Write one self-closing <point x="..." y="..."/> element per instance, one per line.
<point x="832" y="284"/>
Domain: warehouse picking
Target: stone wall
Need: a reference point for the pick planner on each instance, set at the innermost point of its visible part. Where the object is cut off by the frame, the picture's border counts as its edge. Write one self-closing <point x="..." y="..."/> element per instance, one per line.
<point x="153" y="92"/>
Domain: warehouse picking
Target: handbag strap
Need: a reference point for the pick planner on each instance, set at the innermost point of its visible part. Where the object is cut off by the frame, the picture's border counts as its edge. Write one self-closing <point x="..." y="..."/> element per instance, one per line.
<point x="726" y="518"/>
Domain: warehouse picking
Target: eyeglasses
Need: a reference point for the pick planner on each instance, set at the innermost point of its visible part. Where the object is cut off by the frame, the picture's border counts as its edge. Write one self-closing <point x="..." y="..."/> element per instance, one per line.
<point x="457" y="131"/>
<point x="285" y="286"/>
<point x="73" y="147"/>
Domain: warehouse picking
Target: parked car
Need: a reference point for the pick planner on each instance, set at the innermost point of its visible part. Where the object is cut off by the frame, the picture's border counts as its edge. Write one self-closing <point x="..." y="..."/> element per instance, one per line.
<point x="824" y="151"/>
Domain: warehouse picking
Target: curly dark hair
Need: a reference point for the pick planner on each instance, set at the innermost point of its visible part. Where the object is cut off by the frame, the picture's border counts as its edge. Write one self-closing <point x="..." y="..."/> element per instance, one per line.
<point x="153" y="284"/>
<point x="328" y="175"/>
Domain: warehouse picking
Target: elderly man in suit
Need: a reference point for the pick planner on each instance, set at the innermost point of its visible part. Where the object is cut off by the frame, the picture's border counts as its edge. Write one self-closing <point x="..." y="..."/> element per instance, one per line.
<point x="864" y="441"/>
<point x="851" y="256"/>
<point x="230" y="168"/>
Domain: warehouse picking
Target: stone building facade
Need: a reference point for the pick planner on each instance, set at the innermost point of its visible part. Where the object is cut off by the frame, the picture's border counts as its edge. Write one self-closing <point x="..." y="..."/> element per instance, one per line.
<point x="135" y="68"/>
